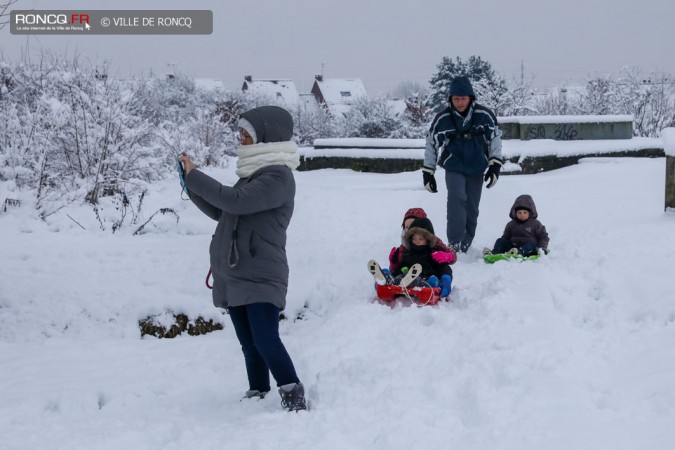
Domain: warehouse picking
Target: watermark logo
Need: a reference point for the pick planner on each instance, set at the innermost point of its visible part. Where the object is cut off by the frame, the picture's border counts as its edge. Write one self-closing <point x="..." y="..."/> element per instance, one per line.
<point x="112" y="22"/>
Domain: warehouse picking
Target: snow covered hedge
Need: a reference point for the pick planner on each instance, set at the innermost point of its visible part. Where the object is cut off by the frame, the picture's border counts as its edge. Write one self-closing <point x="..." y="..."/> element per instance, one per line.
<point x="71" y="133"/>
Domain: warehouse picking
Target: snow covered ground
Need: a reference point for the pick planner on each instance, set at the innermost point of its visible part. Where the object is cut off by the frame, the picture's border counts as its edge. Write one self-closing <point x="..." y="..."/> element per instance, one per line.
<point x="573" y="351"/>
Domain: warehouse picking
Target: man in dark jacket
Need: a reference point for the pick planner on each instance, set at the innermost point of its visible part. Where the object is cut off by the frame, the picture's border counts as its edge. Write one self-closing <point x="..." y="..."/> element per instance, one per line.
<point x="465" y="140"/>
<point x="248" y="248"/>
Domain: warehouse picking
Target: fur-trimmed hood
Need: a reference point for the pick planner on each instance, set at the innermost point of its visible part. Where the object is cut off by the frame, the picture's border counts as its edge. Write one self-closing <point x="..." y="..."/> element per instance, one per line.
<point x="420" y="225"/>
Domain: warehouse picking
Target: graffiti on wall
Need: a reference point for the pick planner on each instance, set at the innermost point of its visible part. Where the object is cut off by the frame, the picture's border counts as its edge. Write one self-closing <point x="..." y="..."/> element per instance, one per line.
<point x="561" y="132"/>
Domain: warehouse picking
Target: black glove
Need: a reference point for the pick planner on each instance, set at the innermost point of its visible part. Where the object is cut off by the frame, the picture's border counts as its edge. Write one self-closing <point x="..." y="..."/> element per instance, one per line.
<point x="429" y="180"/>
<point x="492" y="174"/>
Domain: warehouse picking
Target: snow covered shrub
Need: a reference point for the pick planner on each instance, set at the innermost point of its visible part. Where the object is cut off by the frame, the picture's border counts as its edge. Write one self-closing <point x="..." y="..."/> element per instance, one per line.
<point x="649" y="99"/>
<point x="371" y="118"/>
<point x="315" y="123"/>
<point x="230" y="108"/>
<point x="72" y="133"/>
<point x="7" y="82"/>
<point x="414" y="121"/>
<point x="95" y="134"/>
<point x="517" y="100"/>
<point x="555" y="103"/>
<point x="169" y="98"/>
<point x="202" y="136"/>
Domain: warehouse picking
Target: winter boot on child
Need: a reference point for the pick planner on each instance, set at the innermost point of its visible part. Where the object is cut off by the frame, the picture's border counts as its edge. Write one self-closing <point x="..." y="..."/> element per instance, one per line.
<point x="382" y="276"/>
<point x="411" y="275"/>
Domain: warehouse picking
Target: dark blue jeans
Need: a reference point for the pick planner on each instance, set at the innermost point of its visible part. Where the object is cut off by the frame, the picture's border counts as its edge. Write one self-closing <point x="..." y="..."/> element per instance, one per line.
<point x="257" y="328"/>
<point x="504" y="245"/>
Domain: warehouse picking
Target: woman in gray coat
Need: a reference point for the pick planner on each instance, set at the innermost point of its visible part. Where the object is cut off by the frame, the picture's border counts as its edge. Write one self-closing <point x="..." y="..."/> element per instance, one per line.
<point x="248" y="249"/>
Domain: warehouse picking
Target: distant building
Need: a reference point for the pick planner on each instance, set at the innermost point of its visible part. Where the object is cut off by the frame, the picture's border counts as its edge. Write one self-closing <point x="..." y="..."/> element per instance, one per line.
<point x="209" y="84"/>
<point x="337" y="94"/>
<point x="282" y="92"/>
<point x="308" y="103"/>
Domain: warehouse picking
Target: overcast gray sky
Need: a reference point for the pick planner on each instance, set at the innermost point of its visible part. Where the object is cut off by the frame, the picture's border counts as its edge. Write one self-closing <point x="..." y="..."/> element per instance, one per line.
<point x="383" y="42"/>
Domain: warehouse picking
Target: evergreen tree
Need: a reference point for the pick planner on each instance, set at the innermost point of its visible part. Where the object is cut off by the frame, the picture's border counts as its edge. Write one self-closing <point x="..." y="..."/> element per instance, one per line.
<point x="489" y="87"/>
<point x="414" y="120"/>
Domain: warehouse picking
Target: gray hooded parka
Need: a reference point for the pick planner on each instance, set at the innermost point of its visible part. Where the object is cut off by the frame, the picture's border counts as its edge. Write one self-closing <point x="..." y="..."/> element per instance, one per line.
<point x="248" y="248"/>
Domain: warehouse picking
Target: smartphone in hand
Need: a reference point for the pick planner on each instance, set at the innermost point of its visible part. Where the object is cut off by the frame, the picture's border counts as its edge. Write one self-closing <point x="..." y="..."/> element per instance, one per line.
<point x="181" y="175"/>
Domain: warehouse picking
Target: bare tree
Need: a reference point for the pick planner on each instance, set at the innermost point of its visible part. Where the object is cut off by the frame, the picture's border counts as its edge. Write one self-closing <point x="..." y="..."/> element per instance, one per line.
<point x="4" y="13"/>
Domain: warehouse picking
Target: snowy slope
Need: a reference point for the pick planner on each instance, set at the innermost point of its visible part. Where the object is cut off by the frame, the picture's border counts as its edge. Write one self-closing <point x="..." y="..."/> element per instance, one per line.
<point x="574" y="351"/>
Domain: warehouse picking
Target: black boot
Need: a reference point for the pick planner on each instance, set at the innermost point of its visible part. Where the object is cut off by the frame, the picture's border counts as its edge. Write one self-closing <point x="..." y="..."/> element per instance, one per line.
<point x="293" y="396"/>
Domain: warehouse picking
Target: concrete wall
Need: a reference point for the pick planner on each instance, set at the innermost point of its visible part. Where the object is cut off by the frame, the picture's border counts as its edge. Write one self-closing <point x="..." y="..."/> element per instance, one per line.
<point x="560" y="128"/>
<point x="567" y="128"/>
<point x="528" y="165"/>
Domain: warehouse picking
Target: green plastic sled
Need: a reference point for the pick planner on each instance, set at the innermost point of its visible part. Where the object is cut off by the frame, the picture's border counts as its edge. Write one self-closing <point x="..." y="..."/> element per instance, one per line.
<point x="491" y="259"/>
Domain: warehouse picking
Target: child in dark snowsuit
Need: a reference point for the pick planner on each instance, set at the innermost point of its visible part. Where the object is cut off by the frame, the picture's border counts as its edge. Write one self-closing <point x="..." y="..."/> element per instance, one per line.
<point x="441" y="253"/>
<point x="524" y="234"/>
<point x="419" y="246"/>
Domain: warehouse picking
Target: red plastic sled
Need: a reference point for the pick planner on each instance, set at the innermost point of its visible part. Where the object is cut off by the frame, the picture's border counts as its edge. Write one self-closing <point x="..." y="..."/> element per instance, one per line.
<point x="423" y="295"/>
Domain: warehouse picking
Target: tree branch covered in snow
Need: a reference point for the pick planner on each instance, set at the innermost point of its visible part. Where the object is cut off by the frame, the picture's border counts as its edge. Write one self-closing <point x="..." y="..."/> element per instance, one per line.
<point x="649" y="98"/>
<point x="4" y="14"/>
<point x="72" y="133"/>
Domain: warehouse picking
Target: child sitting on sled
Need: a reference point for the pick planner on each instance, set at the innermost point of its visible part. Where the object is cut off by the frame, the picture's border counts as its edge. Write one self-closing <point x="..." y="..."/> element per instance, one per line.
<point x="524" y="235"/>
<point x="419" y="244"/>
<point x="441" y="254"/>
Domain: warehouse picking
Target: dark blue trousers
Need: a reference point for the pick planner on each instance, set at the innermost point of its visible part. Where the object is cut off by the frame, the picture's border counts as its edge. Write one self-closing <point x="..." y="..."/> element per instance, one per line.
<point x="257" y="328"/>
<point x="464" y="192"/>
<point x="504" y="245"/>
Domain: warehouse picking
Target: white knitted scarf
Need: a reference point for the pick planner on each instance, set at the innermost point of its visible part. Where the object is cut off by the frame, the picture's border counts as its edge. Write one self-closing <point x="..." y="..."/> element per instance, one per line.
<point x="256" y="156"/>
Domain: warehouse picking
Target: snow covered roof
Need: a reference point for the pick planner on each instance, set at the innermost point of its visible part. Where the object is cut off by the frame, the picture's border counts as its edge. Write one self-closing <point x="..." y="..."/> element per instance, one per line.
<point x="338" y="94"/>
<point x="308" y="102"/>
<point x="209" y="84"/>
<point x="282" y="91"/>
